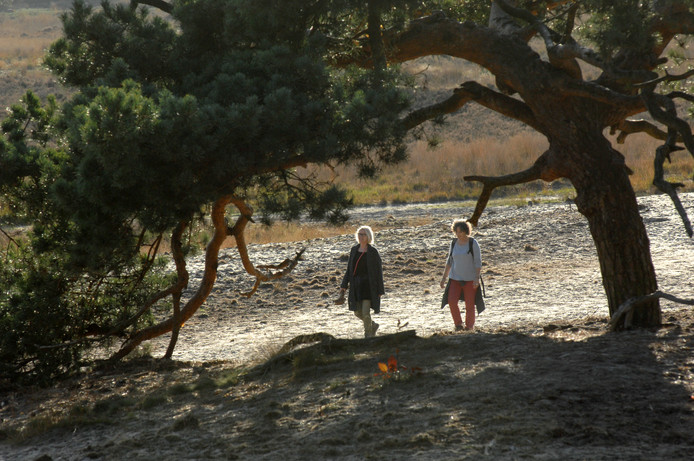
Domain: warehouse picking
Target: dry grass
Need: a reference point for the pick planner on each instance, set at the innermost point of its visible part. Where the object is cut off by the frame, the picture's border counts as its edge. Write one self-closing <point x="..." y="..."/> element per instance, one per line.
<point x="639" y="153"/>
<point x="304" y="231"/>
<point x="288" y="232"/>
<point x="433" y="174"/>
<point x="25" y="36"/>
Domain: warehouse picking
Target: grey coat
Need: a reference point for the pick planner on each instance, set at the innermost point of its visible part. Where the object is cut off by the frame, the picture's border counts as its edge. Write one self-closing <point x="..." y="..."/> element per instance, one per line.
<point x="375" y="267"/>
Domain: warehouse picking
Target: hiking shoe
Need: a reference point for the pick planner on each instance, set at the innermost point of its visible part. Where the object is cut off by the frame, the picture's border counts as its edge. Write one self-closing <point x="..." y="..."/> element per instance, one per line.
<point x="374" y="328"/>
<point x="459" y="328"/>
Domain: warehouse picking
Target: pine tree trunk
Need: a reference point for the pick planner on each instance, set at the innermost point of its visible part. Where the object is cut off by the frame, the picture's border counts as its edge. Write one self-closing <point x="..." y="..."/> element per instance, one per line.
<point x="606" y="198"/>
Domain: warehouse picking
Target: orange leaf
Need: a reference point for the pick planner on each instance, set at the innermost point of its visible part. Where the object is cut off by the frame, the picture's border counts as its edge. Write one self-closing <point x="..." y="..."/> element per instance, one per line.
<point x="383" y="367"/>
<point x="392" y="363"/>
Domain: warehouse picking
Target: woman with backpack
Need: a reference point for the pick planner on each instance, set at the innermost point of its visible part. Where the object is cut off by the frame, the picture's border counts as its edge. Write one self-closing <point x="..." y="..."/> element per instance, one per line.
<point x="462" y="274"/>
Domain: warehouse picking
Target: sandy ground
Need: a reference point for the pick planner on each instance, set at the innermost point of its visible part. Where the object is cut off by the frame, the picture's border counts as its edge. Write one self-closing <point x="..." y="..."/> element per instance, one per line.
<point x="540" y="378"/>
<point x="539" y="265"/>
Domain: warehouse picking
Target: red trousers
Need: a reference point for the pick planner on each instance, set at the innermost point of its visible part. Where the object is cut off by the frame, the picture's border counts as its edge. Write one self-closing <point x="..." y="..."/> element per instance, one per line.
<point x="469" y="294"/>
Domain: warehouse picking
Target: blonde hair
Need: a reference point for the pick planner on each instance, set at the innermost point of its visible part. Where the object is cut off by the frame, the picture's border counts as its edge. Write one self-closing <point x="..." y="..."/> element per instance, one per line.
<point x="369" y="232"/>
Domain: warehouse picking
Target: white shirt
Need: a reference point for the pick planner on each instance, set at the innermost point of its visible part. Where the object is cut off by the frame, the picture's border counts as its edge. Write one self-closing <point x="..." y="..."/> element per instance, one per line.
<point x="463" y="268"/>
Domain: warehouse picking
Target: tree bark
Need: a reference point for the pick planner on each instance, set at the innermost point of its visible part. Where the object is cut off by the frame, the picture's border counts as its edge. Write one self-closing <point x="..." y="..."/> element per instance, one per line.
<point x="607" y="200"/>
<point x="181" y="284"/>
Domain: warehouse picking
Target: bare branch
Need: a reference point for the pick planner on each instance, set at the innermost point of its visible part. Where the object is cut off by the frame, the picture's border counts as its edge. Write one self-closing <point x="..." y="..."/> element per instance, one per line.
<point x="661" y="154"/>
<point x="663" y="110"/>
<point x="238" y="232"/>
<point x="160" y="4"/>
<point x="181" y="284"/>
<point x="666" y="78"/>
<point x="539" y="170"/>
<point x="473" y="91"/>
<point x="448" y="106"/>
<point x="681" y="95"/>
<point x="627" y="127"/>
<point x="511" y="107"/>
<point x="570" y="21"/>
<point x="9" y="237"/>
<point x="630" y="104"/>
<point x="626" y="310"/>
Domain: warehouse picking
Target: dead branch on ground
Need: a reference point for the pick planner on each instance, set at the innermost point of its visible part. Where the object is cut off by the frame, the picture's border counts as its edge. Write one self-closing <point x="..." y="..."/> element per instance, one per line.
<point x="626" y="310"/>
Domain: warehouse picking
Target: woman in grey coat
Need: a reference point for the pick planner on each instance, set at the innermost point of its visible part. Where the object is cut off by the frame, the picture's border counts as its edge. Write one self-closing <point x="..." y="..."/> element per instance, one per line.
<point x="364" y="278"/>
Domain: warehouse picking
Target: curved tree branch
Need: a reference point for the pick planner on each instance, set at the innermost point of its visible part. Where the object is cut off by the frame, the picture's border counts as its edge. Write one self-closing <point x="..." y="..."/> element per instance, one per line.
<point x="628" y="104"/>
<point x="663" y="110"/>
<point x="473" y="91"/>
<point x="539" y="170"/>
<point x="680" y="95"/>
<point x="237" y="231"/>
<point x="436" y="34"/>
<point x="448" y="106"/>
<point x="627" y="127"/>
<point x="511" y="107"/>
<point x="206" y="284"/>
<point x="159" y="4"/>
<point x="666" y="78"/>
<point x="661" y="154"/>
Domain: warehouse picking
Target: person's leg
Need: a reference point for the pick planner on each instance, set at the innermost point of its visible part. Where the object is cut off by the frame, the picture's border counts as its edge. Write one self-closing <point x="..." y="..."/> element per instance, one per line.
<point x="453" y="297"/>
<point x="469" y="294"/>
<point x="366" y="318"/>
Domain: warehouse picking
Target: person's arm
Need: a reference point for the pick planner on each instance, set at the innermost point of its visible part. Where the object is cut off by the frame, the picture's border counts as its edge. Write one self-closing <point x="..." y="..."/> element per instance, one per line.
<point x="449" y="264"/>
<point x="444" y="279"/>
<point x="345" y="279"/>
<point x="478" y="264"/>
